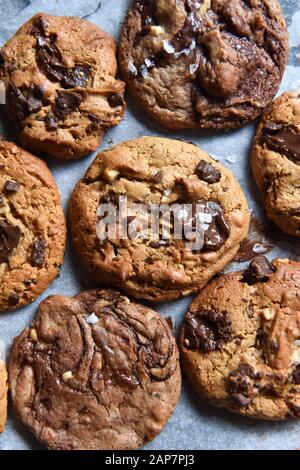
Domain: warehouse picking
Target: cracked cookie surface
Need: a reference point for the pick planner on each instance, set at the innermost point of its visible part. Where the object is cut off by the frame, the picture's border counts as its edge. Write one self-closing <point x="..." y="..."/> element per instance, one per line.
<point x="240" y="341"/>
<point x="60" y="82"/>
<point x="95" y="371"/>
<point x="32" y="227"/>
<point x="194" y="64"/>
<point x="276" y="161"/>
<point x="3" y="396"/>
<point x="158" y="171"/>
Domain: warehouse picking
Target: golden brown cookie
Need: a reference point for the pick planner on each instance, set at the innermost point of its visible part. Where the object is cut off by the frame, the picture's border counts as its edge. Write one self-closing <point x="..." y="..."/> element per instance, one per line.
<point x="210" y="64"/>
<point x="176" y="176"/>
<point x="240" y="341"/>
<point x="32" y="227"/>
<point x="61" y="90"/>
<point x="3" y="395"/>
<point x="276" y="161"/>
<point x="95" y="371"/>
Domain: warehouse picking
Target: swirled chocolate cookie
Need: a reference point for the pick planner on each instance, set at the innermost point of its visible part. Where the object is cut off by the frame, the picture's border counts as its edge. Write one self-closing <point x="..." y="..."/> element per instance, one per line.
<point x="3" y="395"/>
<point x="209" y="64"/>
<point x="95" y="371"/>
<point x="157" y="218"/>
<point x="60" y="82"/>
<point x="32" y="227"/>
<point x="276" y="161"/>
<point x="240" y="341"/>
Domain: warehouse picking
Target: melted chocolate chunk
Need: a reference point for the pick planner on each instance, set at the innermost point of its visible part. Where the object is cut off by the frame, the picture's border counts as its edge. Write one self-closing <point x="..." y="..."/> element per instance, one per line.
<point x="38" y="253"/>
<point x="259" y="270"/>
<point x="50" y="122"/>
<point x="115" y="100"/>
<point x="78" y="76"/>
<point x="11" y="186"/>
<point x="241" y="399"/>
<point x="49" y="58"/>
<point x="282" y="139"/>
<point x="207" y="330"/>
<point x="66" y="103"/>
<point x="9" y="240"/>
<point x="243" y="383"/>
<point x="208" y="173"/>
<point x="13" y="300"/>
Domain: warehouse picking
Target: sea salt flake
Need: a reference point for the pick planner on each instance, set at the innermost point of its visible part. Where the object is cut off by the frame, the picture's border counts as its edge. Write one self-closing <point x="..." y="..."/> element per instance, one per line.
<point x="144" y="71"/>
<point x="92" y="319"/>
<point x="204" y="218"/>
<point x="149" y="63"/>
<point x="132" y="68"/>
<point x="231" y="159"/>
<point x="168" y="47"/>
<point x="259" y="248"/>
<point x="193" y="68"/>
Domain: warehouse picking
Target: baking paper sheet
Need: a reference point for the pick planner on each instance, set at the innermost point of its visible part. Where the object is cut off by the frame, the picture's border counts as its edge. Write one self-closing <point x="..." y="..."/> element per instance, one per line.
<point x="194" y="425"/>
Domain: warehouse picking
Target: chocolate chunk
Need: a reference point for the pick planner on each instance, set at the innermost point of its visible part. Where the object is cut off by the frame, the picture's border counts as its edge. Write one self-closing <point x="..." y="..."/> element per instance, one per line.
<point x="11" y="186"/>
<point x="241" y="399"/>
<point x="38" y="253"/>
<point x="13" y="299"/>
<point x="243" y="384"/>
<point x="18" y="102"/>
<point x="34" y="99"/>
<point x="295" y="378"/>
<point x="50" y="122"/>
<point x="49" y="58"/>
<point x="24" y="102"/>
<point x="9" y="240"/>
<point x="207" y="330"/>
<point x="218" y="231"/>
<point x="259" y="270"/>
<point x="282" y="139"/>
<point x="78" y="76"/>
<point x="115" y="100"/>
<point x="208" y="172"/>
<point x="66" y="103"/>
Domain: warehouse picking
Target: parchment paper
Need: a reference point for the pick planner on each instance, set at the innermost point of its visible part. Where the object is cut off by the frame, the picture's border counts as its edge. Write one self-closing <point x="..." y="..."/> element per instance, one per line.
<point x="194" y="425"/>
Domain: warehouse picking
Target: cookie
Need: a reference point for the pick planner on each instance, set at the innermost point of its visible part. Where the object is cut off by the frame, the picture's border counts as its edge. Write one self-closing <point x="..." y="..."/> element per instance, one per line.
<point x="209" y="64"/>
<point x="32" y="227"/>
<point x="276" y="161"/>
<point x="3" y="396"/>
<point x="157" y="260"/>
<point x="240" y="343"/>
<point x="60" y="82"/>
<point x="95" y="371"/>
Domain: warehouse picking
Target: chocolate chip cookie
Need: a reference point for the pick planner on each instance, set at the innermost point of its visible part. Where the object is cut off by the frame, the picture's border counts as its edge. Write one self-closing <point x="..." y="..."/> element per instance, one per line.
<point x="209" y="64"/>
<point x="60" y="82"/>
<point x="32" y="227"/>
<point x="276" y="161"/>
<point x="95" y="371"/>
<point x="240" y="341"/>
<point x="3" y="395"/>
<point x="179" y="217"/>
